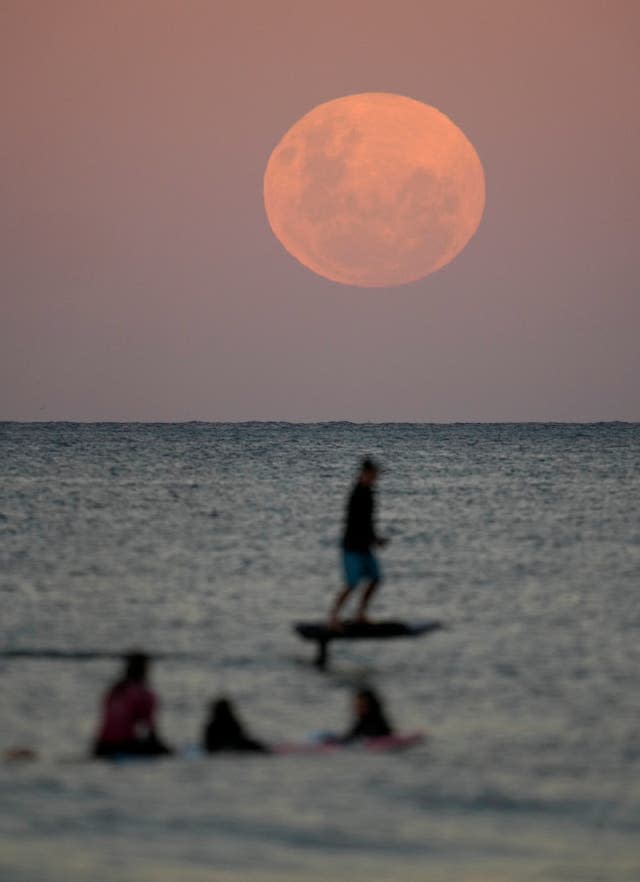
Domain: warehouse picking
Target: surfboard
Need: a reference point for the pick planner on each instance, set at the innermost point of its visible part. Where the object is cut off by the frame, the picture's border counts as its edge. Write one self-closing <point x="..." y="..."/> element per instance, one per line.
<point x="382" y="630"/>
<point x="383" y="744"/>
<point x="322" y="635"/>
<point x="193" y="752"/>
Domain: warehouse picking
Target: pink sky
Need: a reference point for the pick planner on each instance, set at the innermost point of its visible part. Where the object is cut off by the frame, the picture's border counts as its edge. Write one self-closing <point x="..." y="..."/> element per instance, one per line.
<point x="140" y="279"/>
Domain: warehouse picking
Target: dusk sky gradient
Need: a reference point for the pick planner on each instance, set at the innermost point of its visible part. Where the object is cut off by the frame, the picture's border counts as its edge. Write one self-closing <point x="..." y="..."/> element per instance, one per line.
<point x="140" y="279"/>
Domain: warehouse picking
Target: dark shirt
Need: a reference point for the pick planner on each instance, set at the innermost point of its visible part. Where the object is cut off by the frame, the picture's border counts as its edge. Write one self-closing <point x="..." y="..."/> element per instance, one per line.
<point x="359" y="534"/>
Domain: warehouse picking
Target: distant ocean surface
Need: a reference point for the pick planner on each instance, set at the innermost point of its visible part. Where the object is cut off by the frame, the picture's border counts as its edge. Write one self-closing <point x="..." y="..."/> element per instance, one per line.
<point x="203" y="542"/>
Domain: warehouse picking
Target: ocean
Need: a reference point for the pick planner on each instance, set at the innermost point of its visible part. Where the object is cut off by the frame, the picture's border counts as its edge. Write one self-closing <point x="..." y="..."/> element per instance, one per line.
<point x="203" y="543"/>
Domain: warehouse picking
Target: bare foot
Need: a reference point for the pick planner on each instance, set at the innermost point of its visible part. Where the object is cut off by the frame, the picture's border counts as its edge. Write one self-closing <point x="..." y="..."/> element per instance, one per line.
<point x="362" y="619"/>
<point x="334" y="624"/>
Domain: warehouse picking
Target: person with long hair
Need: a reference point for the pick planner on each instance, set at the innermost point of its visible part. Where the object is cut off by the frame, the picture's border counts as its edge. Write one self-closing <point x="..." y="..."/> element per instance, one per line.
<point x="370" y="719"/>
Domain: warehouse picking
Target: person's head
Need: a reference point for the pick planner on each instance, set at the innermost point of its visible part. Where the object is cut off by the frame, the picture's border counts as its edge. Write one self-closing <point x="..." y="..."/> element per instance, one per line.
<point x="136" y="666"/>
<point x="369" y="471"/>
<point x="222" y="710"/>
<point x="367" y="704"/>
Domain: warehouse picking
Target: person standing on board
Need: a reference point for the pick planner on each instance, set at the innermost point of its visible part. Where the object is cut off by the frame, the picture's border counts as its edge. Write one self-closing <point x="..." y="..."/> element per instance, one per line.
<point x="359" y="539"/>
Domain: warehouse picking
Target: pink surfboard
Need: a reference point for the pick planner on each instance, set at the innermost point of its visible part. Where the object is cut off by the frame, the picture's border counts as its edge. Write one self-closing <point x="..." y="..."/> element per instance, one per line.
<point x="384" y="744"/>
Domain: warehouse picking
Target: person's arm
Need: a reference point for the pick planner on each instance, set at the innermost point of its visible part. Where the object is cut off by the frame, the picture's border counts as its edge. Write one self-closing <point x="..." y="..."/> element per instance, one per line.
<point x="374" y="537"/>
<point x="149" y="706"/>
<point x="148" y="709"/>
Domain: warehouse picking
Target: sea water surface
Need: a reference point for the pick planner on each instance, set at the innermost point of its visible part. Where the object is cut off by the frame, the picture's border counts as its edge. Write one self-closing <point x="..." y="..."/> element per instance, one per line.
<point x="202" y="543"/>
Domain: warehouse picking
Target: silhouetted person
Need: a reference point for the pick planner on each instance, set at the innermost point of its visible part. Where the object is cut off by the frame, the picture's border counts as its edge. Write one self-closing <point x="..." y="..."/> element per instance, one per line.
<point x="128" y="724"/>
<point x="370" y="720"/>
<point x="359" y="561"/>
<point x="224" y="731"/>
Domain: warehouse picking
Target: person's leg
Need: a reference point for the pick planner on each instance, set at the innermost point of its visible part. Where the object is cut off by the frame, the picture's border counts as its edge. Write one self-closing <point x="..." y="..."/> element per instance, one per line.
<point x="334" y="618"/>
<point x="367" y="594"/>
<point x="373" y="575"/>
<point x="351" y="565"/>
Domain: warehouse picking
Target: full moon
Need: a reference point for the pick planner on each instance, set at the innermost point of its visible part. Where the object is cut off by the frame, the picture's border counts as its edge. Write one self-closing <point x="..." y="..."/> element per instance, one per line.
<point x="374" y="190"/>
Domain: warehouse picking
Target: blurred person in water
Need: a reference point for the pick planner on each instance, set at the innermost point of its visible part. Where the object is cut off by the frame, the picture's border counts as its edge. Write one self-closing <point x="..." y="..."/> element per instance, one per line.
<point x="369" y="717"/>
<point x="128" y="724"/>
<point x="369" y="720"/>
<point x="224" y="731"/>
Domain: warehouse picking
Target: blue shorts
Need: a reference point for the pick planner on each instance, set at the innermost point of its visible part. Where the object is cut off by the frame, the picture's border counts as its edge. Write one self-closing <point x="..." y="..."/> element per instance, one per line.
<point x="360" y="565"/>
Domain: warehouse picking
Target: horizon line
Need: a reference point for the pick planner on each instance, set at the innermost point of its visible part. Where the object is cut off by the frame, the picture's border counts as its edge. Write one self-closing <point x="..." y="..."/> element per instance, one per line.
<point x="326" y="422"/>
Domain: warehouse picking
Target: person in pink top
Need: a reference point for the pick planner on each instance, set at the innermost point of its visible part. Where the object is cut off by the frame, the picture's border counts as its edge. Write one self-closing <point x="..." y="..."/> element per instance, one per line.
<point x="128" y="715"/>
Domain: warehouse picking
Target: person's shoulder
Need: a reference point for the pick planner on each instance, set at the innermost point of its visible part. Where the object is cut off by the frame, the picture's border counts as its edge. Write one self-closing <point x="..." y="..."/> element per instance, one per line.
<point x="136" y="687"/>
<point x="140" y="692"/>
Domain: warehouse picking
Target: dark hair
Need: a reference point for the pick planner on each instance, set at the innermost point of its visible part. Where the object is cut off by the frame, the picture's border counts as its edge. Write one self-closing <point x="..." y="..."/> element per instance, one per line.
<point x="369" y="465"/>
<point x="375" y="704"/>
<point x="136" y="664"/>
<point x="222" y="711"/>
<point x="223" y="726"/>
<point x="373" y="723"/>
<point x="376" y="710"/>
<point x="135" y="670"/>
